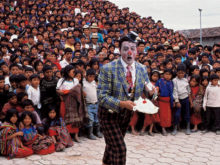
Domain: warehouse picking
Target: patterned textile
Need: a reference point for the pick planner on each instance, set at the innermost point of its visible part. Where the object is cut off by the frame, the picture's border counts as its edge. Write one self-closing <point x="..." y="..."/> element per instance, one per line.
<point x="197" y="98"/>
<point x="197" y="94"/>
<point x="114" y="127"/>
<point x="8" y="147"/>
<point x="32" y="140"/>
<point x="75" y="108"/>
<point x="63" y="138"/>
<point x="113" y="87"/>
<point x="12" y="147"/>
<point x="129" y="77"/>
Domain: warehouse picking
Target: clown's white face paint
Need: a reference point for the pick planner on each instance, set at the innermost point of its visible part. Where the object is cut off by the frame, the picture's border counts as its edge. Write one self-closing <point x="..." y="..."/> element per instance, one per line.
<point x="128" y="52"/>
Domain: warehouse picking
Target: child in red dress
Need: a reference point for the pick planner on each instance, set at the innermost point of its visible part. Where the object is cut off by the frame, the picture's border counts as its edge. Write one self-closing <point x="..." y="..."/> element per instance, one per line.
<point x="196" y="101"/>
<point x="154" y="118"/>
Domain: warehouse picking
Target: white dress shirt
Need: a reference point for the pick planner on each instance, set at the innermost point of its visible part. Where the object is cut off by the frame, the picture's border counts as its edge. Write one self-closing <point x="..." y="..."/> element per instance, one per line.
<point x="133" y="71"/>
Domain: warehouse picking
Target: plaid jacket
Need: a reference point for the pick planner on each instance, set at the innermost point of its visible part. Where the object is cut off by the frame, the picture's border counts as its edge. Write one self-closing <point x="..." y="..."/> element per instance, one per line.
<point x="113" y="87"/>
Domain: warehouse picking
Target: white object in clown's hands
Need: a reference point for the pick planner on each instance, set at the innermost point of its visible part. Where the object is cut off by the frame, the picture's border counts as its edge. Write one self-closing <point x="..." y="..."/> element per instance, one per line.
<point x="145" y="106"/>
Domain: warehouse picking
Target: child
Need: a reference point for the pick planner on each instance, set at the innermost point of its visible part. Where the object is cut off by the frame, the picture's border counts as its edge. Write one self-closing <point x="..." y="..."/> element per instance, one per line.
<point x="10" y="142"/>
<point x="196" y="101"/>
<point x="3" y="93"/>
<point x="48" y="93"/>
<point x="28" y="106"/>
<point x="11" y="104"/>
<point x="34" y="92"/>
<point x="204" y="72"/>
<point x="41" y="145"/>
<point x="181" y="94"/>
<point x="211" y="103"/>
<point x="151" y="119"/>
<point x="73" y="108"/>
<point x="165" y="89"/>
<point x="90" y="89"/>
<point x="21" y="84"/>
<point x="56" y="128"/>
<point x="204" y="83"/>
<point x="79" y="76"/>
<point x="20" y="98"/>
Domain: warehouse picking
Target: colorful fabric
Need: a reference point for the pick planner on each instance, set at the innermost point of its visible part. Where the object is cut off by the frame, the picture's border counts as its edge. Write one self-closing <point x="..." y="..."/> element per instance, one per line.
<point x="12" y="147"/>
<point x="75" y="108"/>
<point x="113" y="87"/>
<point x="63" y="138"/>
<point x="32" y="140"/>
<point x="114" y="127"/>
<point x="154" y="118"/>
<point x="165" y="111"/>
<point x="58" y="129"/>
<point x="129" y="77"/>
<point x="165" y="89"/>
<point x="197" y="96"/>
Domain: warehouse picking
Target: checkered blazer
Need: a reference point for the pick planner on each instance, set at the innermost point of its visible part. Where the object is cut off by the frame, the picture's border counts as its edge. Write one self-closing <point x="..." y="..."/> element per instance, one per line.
<point x="113" y="86"/>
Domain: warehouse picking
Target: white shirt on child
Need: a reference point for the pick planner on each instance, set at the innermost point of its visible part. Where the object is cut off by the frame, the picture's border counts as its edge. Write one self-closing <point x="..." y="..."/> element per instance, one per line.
<point x="34" y="95"/>
<point x="181" y="89"/>
<point x="66" y="85"/>
<point x="91" y="91"/>
<point x="212" y="96"/>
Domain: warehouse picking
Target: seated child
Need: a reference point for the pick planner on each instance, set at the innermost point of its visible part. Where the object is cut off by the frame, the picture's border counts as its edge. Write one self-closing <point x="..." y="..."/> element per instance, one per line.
<point x="56" y="128"/>
<point x="41" y="145"/>
<point x="28" y="106"/>
<point x="10" y="142"/>
<point x="12" y="102"/>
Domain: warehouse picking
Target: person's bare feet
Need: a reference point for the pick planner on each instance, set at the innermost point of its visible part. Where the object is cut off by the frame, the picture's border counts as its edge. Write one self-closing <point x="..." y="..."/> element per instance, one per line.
<point x="142" y="133"/>
<point x="77" y="138"/>
<point x="133" y="132"/>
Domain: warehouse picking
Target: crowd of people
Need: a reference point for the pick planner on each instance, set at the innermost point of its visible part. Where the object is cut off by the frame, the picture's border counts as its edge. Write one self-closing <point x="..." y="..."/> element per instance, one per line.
<point x="51" y="52"/>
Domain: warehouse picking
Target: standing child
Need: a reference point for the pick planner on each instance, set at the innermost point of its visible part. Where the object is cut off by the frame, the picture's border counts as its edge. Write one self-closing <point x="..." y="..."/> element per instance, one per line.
<point x="10" y="142"/>
<point x="56" y="128"/>
<point x="196" y="101"/>
<point x="154" y="118"/>
<point x="21" y="84"/>
<point x="34" y="92"/>
<point x="204" y="84"/>
<point x="165" y="100"/>
<point x="48" y="93"/>
<point x="28" y="106"/>
<point x="181" y="94"/>
<point x="3" y="95"/>
<point x="211" y="103"/>
<point x="90" y="89"/>
<point x="73" y="108"/>
<point x="41" y="145"/>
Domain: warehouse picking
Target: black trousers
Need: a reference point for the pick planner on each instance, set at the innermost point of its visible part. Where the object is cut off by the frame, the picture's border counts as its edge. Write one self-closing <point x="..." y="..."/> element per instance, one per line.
<point x="114" y="127"/>
<point x="213" y="114"/>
